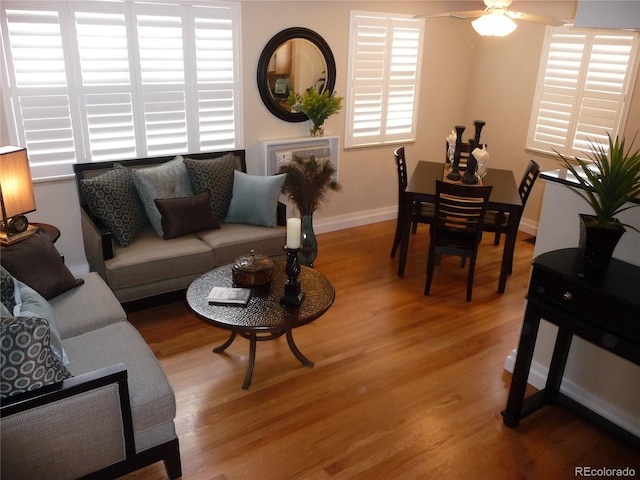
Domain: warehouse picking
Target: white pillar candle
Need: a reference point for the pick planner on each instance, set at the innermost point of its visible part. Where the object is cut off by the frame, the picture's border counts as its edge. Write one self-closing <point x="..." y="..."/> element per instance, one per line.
<point x="293" y="233"/>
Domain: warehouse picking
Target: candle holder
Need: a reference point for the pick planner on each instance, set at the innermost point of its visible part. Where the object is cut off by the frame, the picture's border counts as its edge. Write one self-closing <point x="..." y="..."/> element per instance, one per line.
<point x="454" y="174"/>
<point x="292" y="293"/>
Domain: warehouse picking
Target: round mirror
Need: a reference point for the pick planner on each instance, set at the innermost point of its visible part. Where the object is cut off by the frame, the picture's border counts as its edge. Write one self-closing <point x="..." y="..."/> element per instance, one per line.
<point x="295" y="59"/>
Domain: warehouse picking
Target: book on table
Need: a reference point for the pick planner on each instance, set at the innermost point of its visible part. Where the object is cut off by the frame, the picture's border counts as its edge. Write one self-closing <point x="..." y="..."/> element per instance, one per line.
<point x="229" y="295"/>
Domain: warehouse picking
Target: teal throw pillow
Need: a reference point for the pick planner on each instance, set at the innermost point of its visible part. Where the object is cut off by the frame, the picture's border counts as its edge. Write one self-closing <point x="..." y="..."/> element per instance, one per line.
<point x="167" y="180"/>
<point x="32" y="304"/>
<point x="255" y="199"/>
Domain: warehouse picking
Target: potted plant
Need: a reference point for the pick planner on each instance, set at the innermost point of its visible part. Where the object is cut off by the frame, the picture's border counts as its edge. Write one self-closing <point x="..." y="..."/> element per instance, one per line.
<point x="318" y="105"/>
<point x="610" y="179"/>
<point x="307" y="184"/>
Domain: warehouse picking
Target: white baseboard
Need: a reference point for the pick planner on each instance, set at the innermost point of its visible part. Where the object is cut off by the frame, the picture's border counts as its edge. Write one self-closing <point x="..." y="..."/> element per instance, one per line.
<point x="529" y="226"/>
<point x="538" y="378"/>
<point x="357" y="219"/>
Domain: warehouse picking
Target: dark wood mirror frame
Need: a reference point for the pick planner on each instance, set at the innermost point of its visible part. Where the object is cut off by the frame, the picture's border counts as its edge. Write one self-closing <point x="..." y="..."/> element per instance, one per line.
<point x="265" y="57"/>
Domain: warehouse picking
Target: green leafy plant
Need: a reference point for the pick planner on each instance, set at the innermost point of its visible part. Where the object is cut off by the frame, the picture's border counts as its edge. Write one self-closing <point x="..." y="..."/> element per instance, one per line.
<point x="609" y="179"/>
<point x="315" y="105"/>
<point x="308" y="182"/>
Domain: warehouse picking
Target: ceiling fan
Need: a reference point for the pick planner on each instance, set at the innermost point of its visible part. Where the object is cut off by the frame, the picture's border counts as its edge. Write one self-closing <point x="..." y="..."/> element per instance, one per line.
<point x="497" y="20"/>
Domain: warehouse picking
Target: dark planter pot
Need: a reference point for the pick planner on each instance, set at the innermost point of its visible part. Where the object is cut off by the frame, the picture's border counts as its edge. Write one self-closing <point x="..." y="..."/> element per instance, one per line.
<point x="597" y="245"/>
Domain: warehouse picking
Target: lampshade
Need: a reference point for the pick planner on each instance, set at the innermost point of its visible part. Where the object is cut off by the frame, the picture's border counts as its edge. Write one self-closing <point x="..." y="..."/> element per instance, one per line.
<point x="494" y="24"/>
<point x="16" y="187"/>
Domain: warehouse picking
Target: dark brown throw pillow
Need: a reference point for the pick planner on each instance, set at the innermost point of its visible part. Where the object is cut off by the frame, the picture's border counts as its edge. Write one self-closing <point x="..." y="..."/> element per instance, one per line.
<point x="185" y="215"/>
<point x="36" y="262"/>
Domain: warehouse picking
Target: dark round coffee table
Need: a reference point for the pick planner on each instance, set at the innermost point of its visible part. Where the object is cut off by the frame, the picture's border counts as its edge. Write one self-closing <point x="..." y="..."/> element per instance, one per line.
<point x="263" y="318"/>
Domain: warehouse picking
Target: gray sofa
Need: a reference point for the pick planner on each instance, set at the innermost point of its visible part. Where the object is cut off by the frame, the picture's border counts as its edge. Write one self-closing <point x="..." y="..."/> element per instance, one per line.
<point x="150" y="265"/>
<point x="108" y="411"/>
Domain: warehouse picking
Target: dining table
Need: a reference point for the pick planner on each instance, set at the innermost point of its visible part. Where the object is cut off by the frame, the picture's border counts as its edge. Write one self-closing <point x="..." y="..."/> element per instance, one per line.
<point x="504" y="197"/>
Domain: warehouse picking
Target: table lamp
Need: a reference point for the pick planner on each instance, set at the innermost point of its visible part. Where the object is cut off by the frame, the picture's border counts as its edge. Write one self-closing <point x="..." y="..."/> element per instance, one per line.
<point x="16" y="195"/>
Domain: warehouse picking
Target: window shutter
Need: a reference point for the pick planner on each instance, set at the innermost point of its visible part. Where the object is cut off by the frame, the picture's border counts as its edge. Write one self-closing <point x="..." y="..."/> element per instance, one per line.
<point x="37" y="89"/>
<point x="583" y="87"/>
<point x="95" y="81"/>
<point x="384" y="64"/>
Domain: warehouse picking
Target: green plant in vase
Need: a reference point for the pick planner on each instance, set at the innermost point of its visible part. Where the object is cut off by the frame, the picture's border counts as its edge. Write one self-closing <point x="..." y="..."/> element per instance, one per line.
<point x="307" y="184"/>
<point x="318" y="105"/>
<point x="609" y="180"/>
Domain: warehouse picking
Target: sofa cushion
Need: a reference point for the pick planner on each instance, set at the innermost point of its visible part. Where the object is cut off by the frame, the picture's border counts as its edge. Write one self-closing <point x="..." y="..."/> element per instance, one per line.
<point x="88" y="307"/>
<point x="36" y="262"/>
<point x="150" y="258"/>
<point x="236" y="239"/>
<point x="255" y="199"/>
<point x="167" y="180"/>
<point x="185" y="215"/>
<point x="113" y="198"/>
<point x="216" y="176"/>
<point x="30" y="303"/>
<point x="26" y="359"/>
<point x="152" y="399"/>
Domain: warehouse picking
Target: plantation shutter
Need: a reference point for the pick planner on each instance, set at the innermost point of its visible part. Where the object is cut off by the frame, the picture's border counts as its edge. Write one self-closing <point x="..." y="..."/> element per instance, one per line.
<point x="122" y="80"/>
<point x="584" y="84"/>
<point x="382" y="99"/>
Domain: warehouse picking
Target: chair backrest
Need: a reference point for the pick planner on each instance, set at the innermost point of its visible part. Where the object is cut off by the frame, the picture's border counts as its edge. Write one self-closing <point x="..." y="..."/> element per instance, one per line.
<point x="529" y="178"/>
<point x="401" y="165"/>
<point x="460" y="208"/>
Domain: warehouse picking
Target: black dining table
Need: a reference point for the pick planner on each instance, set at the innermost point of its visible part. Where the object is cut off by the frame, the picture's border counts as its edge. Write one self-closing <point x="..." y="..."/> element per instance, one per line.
<point x="504" y="198"/>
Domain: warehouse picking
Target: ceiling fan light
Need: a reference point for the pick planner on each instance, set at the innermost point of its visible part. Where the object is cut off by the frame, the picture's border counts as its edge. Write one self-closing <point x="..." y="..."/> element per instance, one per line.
<point x="494" y="25"/>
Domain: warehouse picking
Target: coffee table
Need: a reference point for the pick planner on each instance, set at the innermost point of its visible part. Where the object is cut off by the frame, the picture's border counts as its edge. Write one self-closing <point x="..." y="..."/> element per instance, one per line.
<point x="263" y="318"/>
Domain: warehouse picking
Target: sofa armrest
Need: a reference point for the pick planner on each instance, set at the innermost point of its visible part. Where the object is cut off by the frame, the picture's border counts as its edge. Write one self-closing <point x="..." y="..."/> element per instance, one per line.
<point x="74" y="428"/>
<point x="282" y="214"/>
<point x="97" y="240"/>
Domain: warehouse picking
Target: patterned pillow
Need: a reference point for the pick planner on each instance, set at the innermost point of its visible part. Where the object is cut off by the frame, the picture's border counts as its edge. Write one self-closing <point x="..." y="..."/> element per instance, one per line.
<point x="215" y="175"/>
<point x="167" y="180"/>
<point x="113" y="198"/>
<point x="26" y="359"/>
<point x="7" y="289"/>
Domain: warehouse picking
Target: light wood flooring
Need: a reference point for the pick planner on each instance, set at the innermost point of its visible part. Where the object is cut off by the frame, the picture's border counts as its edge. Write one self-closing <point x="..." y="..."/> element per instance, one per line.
<point x="404" y="386"/>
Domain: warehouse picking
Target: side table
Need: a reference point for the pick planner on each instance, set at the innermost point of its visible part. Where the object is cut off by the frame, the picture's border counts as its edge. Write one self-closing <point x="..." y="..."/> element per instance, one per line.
<point x="605" y="313"/>
<point x="52" y="232"/>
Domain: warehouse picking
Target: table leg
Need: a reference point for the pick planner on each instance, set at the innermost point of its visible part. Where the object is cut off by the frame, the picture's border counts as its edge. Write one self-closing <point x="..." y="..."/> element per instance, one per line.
<point x="224" y="346"/>
<point x="512" y="414"/>
<point x="294" y="349"/>
<point x="251" y="362"/>
<point x="509" y="248"/>
<point x="406" y="232"/>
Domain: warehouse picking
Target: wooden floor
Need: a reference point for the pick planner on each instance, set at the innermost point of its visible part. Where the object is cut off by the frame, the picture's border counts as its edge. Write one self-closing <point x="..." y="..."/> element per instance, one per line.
<point x="404" y="386"/>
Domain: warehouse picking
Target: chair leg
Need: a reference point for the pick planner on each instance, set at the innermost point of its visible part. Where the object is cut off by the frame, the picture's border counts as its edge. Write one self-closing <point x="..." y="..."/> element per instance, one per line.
<point x="431" y="261"/>
<point x="414" y="227"/>
<point x="496" y="240"/>
<point x="472" y="267"/>
<point x="396" y="240"/>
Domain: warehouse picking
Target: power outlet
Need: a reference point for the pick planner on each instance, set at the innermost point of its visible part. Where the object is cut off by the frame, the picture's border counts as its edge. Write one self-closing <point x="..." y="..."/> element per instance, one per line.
<point x="283" y="156"/>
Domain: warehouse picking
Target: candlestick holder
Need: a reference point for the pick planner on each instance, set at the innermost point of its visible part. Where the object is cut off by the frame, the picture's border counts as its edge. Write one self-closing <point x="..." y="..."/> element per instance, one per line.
<point x="454" y="174"/>
<point x="292" y="293"/>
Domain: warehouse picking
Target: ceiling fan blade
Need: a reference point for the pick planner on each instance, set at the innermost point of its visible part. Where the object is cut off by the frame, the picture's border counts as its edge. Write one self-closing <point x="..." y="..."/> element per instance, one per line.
<point x="534" y="18"/>
<point x="463" y="15"/>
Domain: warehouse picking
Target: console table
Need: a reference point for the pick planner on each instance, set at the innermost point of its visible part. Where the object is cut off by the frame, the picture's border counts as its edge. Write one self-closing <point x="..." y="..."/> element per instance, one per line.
<point x="605" y="313"/>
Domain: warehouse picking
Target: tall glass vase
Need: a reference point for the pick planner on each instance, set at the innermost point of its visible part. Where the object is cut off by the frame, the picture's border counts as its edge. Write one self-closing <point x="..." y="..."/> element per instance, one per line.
<point x="309" y="245"/>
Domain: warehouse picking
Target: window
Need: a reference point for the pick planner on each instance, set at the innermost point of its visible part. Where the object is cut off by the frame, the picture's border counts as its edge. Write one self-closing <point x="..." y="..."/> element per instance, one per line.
<point x="384" y="72"/>
<point x="97" y="80"/>
<point x="584" y="88"/>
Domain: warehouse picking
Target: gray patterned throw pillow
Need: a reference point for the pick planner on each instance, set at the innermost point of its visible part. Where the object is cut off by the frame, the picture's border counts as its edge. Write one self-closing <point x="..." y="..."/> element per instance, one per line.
<point x="26" y="359"/>
<point x="113" y="198"/>
<point x="215" y="175"/>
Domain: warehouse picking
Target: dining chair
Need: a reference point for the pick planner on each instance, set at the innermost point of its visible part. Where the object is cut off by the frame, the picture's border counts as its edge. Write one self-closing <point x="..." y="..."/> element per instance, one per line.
<point x="495" y="221"/>
<point x="457" y="229"/>
<point x="420" y="212"/>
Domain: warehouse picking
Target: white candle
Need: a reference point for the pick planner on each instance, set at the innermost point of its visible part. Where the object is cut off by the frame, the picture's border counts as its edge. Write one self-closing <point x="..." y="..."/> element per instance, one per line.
<point x="293" y="233"/>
